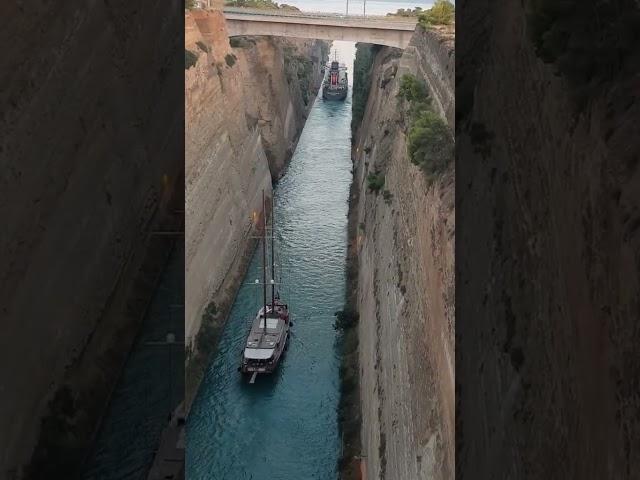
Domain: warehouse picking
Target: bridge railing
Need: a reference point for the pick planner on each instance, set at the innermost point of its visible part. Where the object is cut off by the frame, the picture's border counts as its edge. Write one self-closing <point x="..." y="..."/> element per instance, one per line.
<point x="320" y="15"/>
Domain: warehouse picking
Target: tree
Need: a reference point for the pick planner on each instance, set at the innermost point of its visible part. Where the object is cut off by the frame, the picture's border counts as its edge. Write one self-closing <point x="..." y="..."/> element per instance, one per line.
<point x="443" y="12"/>
<point x="430" y="143"/>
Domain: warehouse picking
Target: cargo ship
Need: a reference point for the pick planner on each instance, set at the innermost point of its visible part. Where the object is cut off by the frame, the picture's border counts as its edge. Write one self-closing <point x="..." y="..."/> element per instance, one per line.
<point x="335" y="85"/>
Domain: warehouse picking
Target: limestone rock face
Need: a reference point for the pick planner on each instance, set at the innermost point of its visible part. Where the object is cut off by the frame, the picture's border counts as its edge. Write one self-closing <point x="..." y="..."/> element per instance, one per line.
<point x="245" y="107"/>
<point x="406" y="277"/>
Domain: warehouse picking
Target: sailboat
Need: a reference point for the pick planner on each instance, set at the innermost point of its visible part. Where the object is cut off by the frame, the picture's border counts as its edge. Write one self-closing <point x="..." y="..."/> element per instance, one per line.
<point x="269" y="334"/>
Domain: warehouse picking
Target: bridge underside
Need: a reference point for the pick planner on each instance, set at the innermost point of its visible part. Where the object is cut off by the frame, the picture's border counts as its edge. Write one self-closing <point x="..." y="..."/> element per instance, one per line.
<point x="388" y="37"/>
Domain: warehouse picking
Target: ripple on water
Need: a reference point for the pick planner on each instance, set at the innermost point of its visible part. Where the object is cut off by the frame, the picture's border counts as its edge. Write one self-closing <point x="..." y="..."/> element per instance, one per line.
<point x="285" y="426"/>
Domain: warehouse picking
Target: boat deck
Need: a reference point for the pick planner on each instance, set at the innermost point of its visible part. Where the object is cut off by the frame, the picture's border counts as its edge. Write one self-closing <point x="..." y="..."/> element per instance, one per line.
<point x="259" y="338"/>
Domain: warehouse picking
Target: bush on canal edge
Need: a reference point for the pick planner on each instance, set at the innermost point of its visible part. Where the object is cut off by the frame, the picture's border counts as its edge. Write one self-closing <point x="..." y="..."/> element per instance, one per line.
<point x="430" y="141"/>
<point x="375" y="181"/>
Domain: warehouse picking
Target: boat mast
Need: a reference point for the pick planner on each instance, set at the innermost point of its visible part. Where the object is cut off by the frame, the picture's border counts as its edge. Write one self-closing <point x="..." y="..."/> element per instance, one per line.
<point x="264" y="260"/>
<point x="273" y="257"/>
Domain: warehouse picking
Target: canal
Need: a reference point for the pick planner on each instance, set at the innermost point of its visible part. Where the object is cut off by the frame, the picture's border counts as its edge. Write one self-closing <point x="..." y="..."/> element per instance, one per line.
<point x="284" y="427"/>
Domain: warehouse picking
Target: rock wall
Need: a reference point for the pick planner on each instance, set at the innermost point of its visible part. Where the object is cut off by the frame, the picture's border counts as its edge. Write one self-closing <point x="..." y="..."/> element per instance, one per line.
<point x="406" y="280"/>
<point x="88" y="169"/>
<point x="244" y="111"/>
<point x="549" y="339"/>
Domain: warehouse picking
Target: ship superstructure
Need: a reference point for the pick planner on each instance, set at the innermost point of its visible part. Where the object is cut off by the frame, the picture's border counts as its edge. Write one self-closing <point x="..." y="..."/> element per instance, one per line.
<point x="335" y="85"/>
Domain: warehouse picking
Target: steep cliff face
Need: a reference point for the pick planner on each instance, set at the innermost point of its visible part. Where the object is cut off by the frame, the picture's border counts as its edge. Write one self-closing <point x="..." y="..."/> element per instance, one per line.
<point x="550" y="337"/>
<point x="245" y="107"/>
<point x="405" y="245"/>
<point x="88" y="168"/>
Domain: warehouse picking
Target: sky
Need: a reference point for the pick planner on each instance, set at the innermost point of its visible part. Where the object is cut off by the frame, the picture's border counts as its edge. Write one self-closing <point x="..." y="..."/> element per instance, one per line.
<point x="374" y="7"/>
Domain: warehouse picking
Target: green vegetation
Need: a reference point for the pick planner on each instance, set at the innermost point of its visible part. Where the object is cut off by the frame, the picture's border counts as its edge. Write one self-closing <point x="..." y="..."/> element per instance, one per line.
<point x="201" y="45"/>
<point x="345" y="319"/>
<point x="588" y="45"/>
<point x="190" y="59"/>
<point x="263" y="4"/>
<point x="375" y="181"/>
<point x="412" y="89"/>
<point x="230" y="59"/>
<point x="284" y="6"/>
<point x="431" y="144"/>
<point x="401" y="12"/>
<point x="415" y="93"/>
<point x="241" y="42"/>
<point x="388" y="197"/>
<point x="189" y="4"/>
<point x="443" y="12"/>
<point x="365" y="54"/>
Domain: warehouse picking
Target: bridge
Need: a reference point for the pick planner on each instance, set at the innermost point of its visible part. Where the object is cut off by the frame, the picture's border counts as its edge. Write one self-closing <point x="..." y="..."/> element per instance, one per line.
<point x="389" y="31"/>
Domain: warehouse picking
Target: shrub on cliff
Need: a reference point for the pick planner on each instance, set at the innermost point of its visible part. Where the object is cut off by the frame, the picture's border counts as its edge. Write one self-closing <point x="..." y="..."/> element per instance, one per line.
<point x="230" y="59"/>
<point x="415" y="92"/>
<point x="443" y="12"/>
<point x="430" y="143"/>
<point x="412" y="89"/>
<point x="346" y="319"/>
<point x="190" y="59"/>
<point x="241" y="42"/>
<point x="202" y="46"/>
<point x="375" y="182"/>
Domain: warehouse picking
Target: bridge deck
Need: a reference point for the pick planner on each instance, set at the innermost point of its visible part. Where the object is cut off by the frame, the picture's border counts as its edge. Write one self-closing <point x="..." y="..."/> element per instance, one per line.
<point x="320" y="18"/>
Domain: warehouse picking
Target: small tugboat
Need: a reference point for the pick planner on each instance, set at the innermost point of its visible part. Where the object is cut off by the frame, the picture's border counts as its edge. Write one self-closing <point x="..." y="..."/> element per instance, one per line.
<point x="335" y="85"/>
<point x="269" y="332"/>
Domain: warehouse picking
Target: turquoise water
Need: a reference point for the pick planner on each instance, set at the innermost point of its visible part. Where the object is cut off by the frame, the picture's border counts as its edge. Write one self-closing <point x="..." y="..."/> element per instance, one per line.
<point x="284" y="427"/>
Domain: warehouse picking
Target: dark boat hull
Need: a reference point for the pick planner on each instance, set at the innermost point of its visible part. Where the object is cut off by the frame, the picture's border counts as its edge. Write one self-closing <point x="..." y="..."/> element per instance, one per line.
<point x="329" y="94"/>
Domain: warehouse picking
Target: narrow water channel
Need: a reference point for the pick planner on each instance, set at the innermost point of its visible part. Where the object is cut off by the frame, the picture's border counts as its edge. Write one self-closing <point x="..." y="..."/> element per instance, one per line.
<point x="284" y="427"/>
